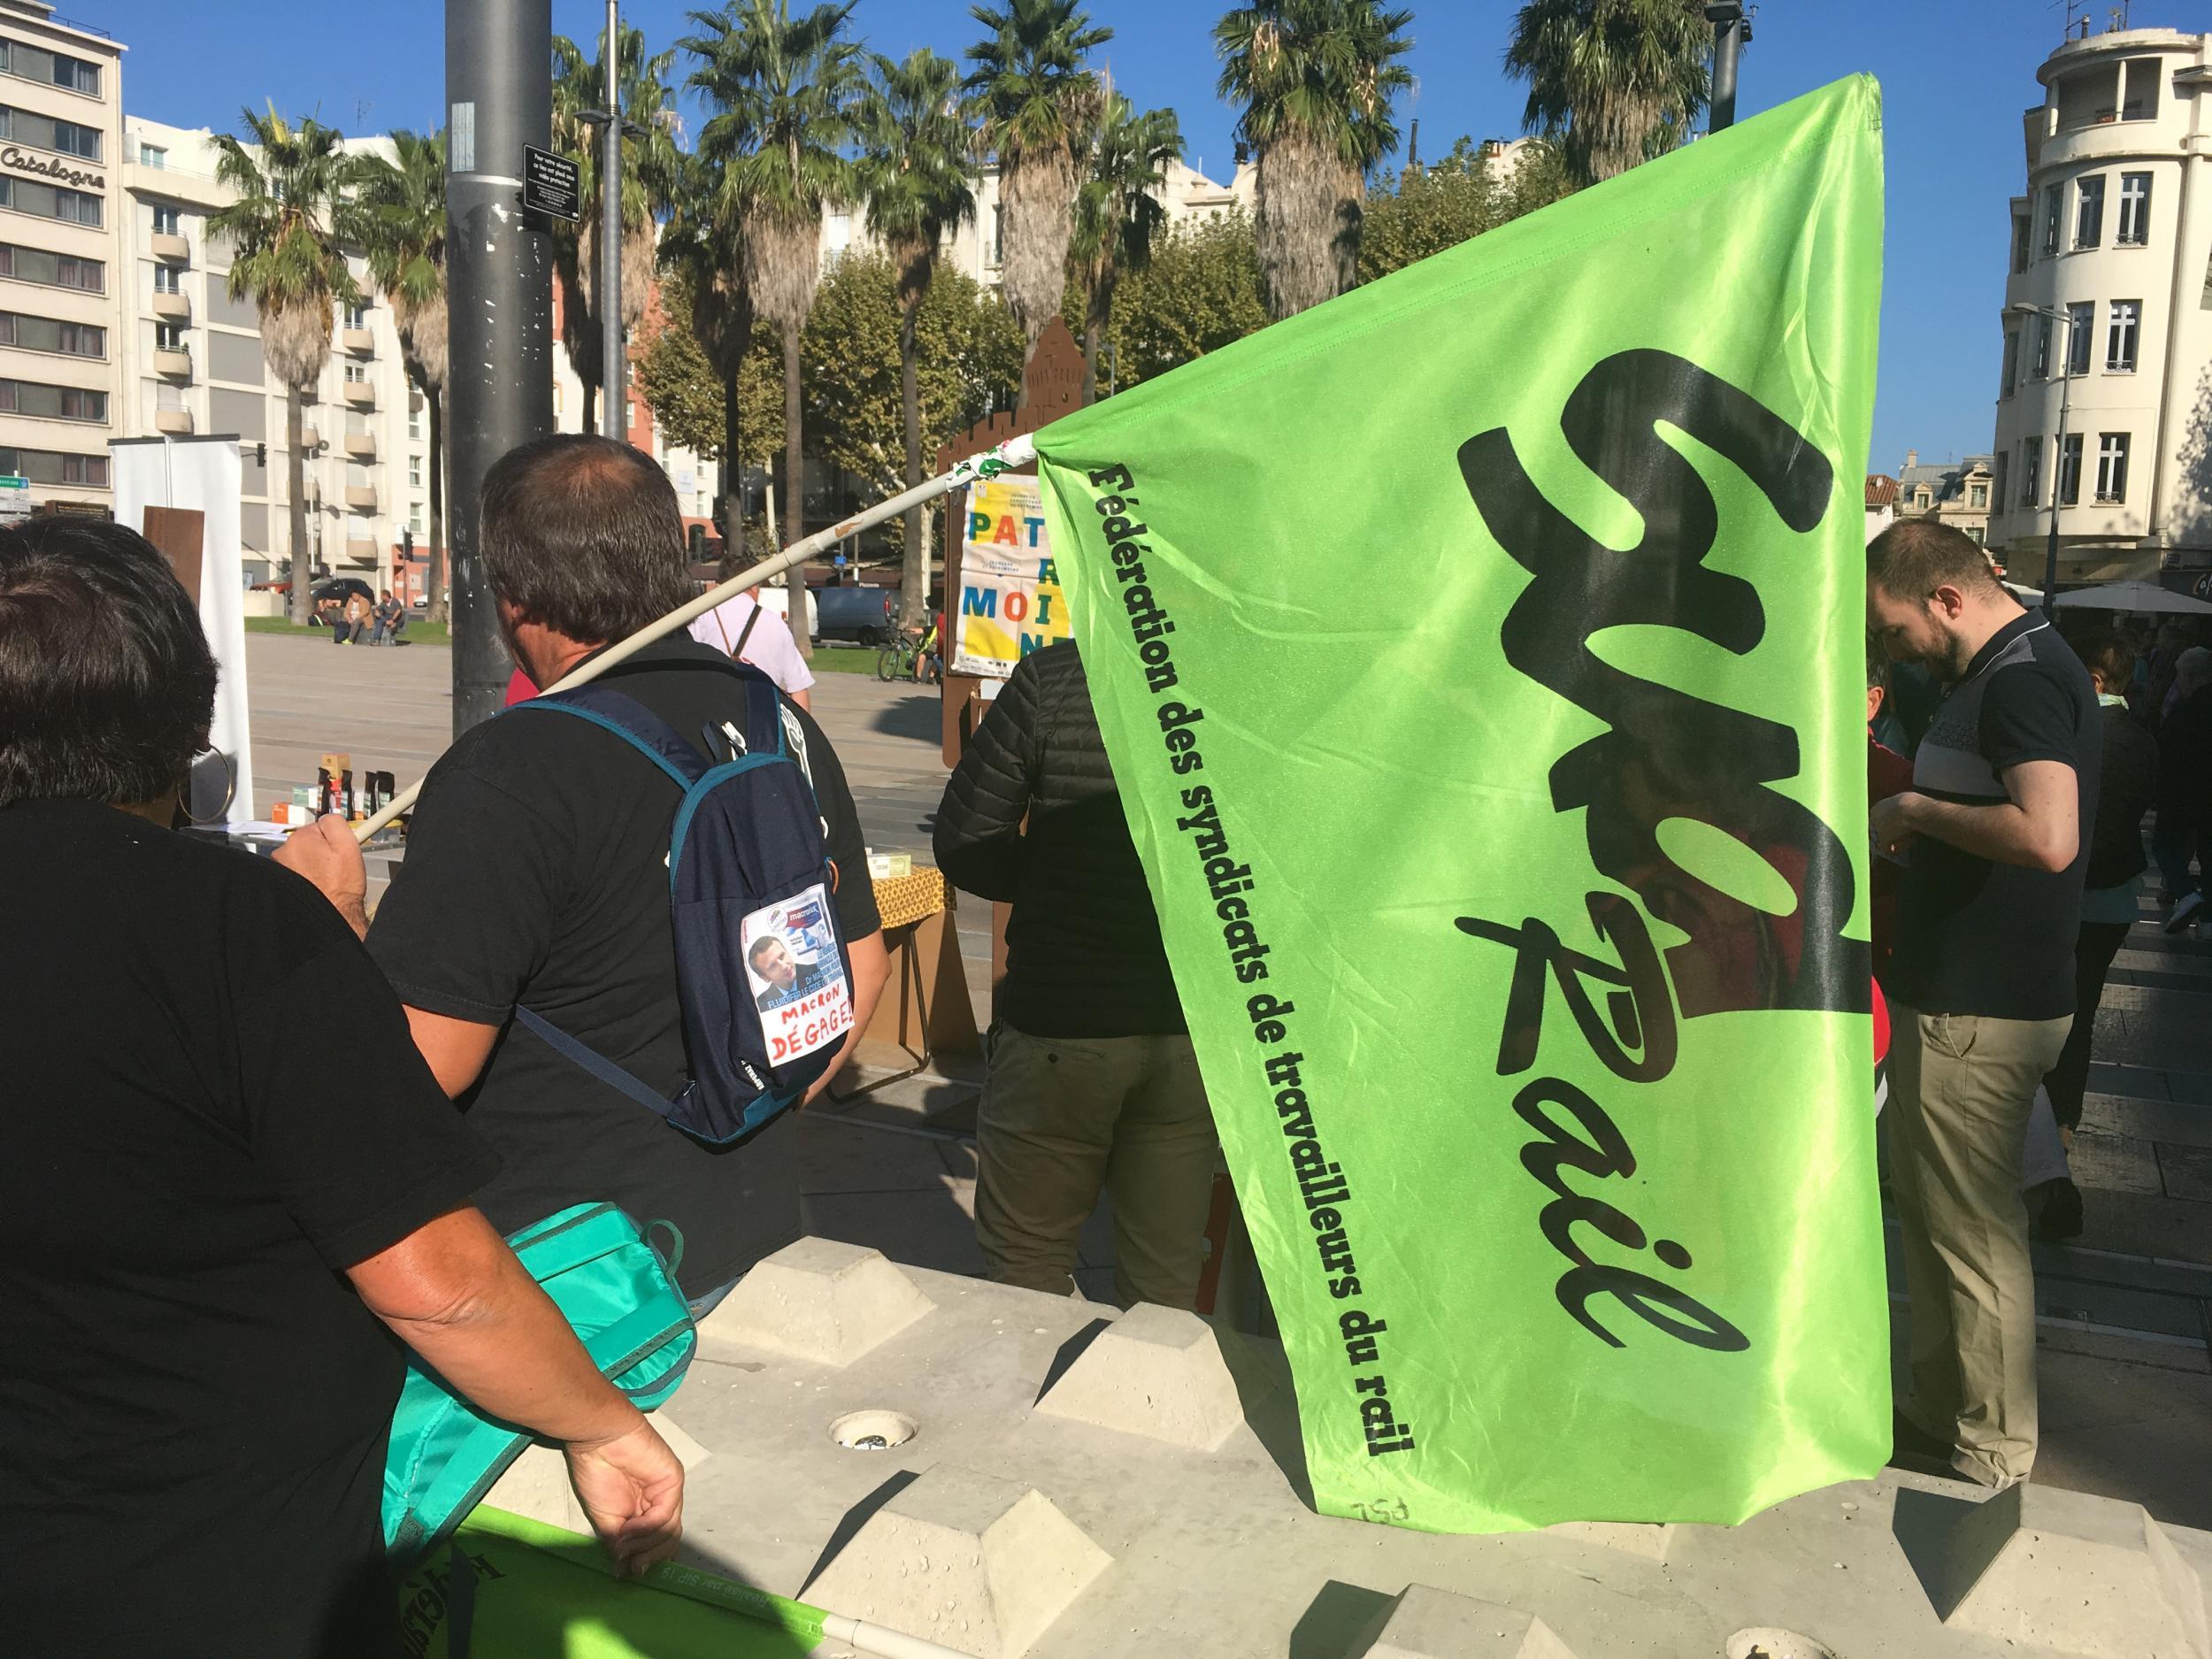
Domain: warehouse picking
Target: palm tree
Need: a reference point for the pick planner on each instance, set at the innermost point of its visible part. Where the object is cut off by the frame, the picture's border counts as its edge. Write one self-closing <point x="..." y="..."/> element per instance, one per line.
<point x="784" y="89"/>
<point x="403" y="221"/>
<point x="913" y="174"/>
<point x="701" y="240"/>
<point x="1116" y="216"/>
<point x="1613" y="82"/>
<point x="650" y="165"/>
<point x="1316" y="78"/>
<point x="291" y="187"/>
<point x="1036" y="99"/>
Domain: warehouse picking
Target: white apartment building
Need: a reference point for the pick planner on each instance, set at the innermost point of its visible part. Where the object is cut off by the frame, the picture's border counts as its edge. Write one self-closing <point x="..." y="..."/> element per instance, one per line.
<point x="191" y="362"/>
<point x="60" y="142"/>
<point x="2115" y="237"/>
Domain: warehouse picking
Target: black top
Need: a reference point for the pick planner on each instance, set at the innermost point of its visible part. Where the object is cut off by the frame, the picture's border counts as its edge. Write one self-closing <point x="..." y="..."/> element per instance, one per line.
<point x="2127" y="782"/>
<point x="1083" y="951"/>
<point x="1974" y="936"/>
<point x="537" y="874"/>
<point x="2185" y="764"/>
<point x="213" y="1107"/>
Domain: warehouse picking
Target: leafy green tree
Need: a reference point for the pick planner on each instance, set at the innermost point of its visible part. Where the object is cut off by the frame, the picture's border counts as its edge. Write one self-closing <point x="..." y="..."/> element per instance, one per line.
<point x="293" y="207"/>
<point x="1117" y="217"/>
<point x="913" y="175"/>
<point x="1423" y="211"/>
<point x="1198" y="292"/>
<point x="1035" y="97"/>
<point x="1315" y="79"/>
<point x="783" y="89"/>
<point x="403" y="218"/>
<point x="1613" y="81"/>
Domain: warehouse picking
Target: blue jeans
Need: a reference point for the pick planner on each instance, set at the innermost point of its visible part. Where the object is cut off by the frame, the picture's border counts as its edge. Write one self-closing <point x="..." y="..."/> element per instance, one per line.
<point x="703" y="1305"/>
<point x="2172" y="848"/>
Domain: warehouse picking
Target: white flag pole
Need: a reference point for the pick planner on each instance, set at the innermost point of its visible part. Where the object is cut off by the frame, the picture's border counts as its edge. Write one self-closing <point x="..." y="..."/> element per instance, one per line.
<point x="1014" y="452"/>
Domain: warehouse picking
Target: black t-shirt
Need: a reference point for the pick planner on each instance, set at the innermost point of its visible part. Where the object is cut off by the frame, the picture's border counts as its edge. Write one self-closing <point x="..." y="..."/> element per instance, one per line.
<point x="1974" y="936"/>
<point x="537" y="874"/>
<point x="213" y="1107"/>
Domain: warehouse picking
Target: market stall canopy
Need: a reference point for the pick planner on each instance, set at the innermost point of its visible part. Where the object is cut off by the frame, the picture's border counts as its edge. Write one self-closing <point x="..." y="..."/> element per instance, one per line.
<point x="2134" y="596"/>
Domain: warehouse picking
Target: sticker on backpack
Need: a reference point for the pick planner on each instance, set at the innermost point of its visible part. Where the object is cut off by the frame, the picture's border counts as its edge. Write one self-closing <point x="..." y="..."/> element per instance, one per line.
<point x="795" y="975"/>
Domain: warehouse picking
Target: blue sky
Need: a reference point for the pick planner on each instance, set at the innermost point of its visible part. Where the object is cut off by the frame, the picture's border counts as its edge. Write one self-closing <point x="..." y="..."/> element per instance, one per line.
<point x="1955" y="75"/>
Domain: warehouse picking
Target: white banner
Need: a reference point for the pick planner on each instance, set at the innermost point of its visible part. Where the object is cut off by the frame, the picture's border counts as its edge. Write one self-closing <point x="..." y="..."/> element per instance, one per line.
<point x="203" y="474"/>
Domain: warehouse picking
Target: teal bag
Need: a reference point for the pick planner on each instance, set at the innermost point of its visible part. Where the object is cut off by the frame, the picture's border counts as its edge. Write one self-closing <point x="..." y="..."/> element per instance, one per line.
<point x="617" y="1292"/>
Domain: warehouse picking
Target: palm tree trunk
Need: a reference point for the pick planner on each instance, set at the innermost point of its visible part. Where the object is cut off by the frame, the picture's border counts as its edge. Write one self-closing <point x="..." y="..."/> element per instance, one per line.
<point x="913" y="583"/>
<point x="733" y="475"/>
<point x="437" y="505"/>
<point x="296" y="493"/>
<point x="591" y="405"/>
<point x="794" y="489"/>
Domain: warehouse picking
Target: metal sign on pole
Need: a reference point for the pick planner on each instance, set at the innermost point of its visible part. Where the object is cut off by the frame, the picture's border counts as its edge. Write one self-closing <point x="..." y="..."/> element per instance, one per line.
<point x="551" y="184"/>
<point x="499" y="279"/>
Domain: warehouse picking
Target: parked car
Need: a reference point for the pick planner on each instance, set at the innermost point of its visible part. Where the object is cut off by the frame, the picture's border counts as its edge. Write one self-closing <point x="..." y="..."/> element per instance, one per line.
<point x="864" y="613"/>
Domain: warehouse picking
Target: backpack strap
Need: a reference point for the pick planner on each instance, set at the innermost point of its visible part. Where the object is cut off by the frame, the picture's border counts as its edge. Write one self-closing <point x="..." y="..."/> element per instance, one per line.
<point x="632" y="722"/>
<point x="592" y="1060"/>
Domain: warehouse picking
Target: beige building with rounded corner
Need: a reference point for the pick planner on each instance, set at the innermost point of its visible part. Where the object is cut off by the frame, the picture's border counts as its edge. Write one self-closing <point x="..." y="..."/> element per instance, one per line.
<point x="2115" y="237"/>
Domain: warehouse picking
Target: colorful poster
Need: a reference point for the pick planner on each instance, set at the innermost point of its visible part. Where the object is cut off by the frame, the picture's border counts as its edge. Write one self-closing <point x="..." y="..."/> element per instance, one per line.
<point x="1010" y="603"/>
<point x="1521" y="931"/>
<point x="796" y="977"/>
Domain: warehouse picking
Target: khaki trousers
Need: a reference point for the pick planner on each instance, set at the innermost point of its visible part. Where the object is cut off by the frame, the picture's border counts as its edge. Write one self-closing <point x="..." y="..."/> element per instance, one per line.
<point x="1064" y="1118"/>
<point x="1964" y="1085"/>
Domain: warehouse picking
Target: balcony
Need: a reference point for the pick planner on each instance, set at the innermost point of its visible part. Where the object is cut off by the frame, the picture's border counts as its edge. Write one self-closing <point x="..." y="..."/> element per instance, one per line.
<point x="171" y="308"/>
<point x="360" y="395"/>
<point x="174" y="422"/>
<point x="358" y="341"/>
<point x="361" y="497"/>
<point x="170" y="249"/>
<point x="362" y="549"/>
<point x="361" y="445"/>
<point x="176" y="365"/>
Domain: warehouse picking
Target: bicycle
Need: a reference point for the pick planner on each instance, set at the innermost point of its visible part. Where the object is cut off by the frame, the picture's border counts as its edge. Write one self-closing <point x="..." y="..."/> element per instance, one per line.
<point x="907" y="659"/>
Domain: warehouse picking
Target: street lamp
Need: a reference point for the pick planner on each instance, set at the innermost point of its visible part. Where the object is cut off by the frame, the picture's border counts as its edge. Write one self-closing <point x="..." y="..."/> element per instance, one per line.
<point x="2024" y="307"/>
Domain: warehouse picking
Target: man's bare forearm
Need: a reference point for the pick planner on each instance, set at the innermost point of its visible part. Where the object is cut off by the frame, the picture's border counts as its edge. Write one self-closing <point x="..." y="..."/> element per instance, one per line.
<point x="2001" y="831"/>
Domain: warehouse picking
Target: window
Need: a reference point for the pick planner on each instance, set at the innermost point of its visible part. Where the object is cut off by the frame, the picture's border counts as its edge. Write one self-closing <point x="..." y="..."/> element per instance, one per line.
<point x="73" y="207"/>
<point x="2012" y="362"/>
<point x="414" y="472"/>
<point x="168" y="279"/>
<point x="992" y="255"/>
<point x="152" y="156"/>
<point x="2050" y="219"/>
<point x="36" y="63"/>
<point x="2134" y="228"/>
<point x="1998" y="482"/>
<point x="2020" y="233"/>
<point x="1978" y="496"/>
<point x="168" y="337"/>
<point x="44" y="334"/>
<point x="2089" y="210"/>
<point x="2031" y="469"/>
<point x="2043" y="349"/>
<point x="45" y="467"/>
<point x="168" y="222"/>
<point x="1922" y="499"/>
<point x="414" y="416"/>
<point x="356" y="316"/>
<point x="356" y="375"/>
<point x="45" y="132"/>
<point x="2069" y="469"/>
<point x="51" y="402"/>
<point x="2112" y="466"/>
<point x="414" y="517"/>
<point x="2080" y="321"/>
<point x="2119" y="341"/>
<point x="52" y="270"/>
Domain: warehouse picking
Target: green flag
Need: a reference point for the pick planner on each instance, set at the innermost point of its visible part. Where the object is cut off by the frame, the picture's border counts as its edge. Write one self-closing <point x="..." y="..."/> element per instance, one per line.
<point x="1479" y="655"/>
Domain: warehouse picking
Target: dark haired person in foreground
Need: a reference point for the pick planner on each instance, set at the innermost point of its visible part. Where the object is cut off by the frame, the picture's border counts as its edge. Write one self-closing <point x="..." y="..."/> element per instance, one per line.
<point x="1995" y="833"/>
<point x="537" y="876"/>
<point x="232" y="1189"/>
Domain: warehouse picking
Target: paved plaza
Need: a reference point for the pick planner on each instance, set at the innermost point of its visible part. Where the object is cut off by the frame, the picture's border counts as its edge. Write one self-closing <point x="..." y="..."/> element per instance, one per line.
<point x="2127" y="1385"/>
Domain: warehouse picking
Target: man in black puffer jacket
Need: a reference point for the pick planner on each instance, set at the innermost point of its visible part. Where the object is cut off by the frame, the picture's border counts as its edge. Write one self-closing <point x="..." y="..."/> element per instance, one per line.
<point x="1093" y="1085"/>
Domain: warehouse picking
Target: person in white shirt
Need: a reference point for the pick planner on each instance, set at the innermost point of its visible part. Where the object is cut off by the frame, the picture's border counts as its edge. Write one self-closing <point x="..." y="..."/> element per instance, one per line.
<point x="743" y="628"/>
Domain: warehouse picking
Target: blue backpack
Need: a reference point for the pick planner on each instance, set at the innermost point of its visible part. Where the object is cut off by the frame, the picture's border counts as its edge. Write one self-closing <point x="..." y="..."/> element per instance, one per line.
<point x="762" y="970"/>
<point x="616" y="1292"/>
